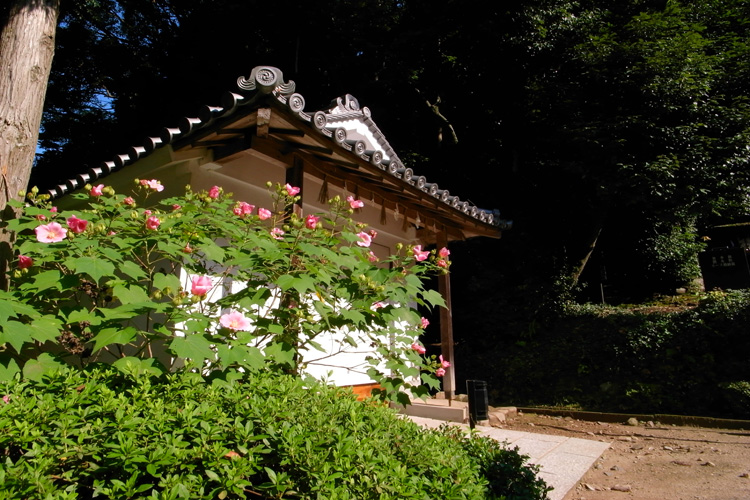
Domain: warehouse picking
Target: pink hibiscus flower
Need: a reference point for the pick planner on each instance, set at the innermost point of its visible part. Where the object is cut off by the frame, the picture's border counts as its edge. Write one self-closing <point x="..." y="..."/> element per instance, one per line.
<point x="355" y="203"/>
<point x="419" y="254"/>
<point x="77" y="225"/>
<point x="419" y="348"/>
<point x="129" y="201"/>
<point x="443" y="363"/>
<point x="25" y="262"/>
<point x="97" y="190"/>
<point x="364" y="239"/>
<point x="311" y="221"/>
<point x="264" y="214"/>
<point x="291" y="190"/>
<point x="277" y="233"/>
<point x="201" y="285"/>
<point x="424" y="322"/>
<point x="153" y="223"/>
<point x="153" y="184"/>
<point x="242" y="209"/>
<point x="50" y="233"/>
<point x="235" y="320"/>
<point x="444" y="252"/>
<point x="214" y="192"/>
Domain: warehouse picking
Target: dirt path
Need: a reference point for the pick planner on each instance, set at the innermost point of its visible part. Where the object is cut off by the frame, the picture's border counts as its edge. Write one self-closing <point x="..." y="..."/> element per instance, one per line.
<point x="650" y="461"/>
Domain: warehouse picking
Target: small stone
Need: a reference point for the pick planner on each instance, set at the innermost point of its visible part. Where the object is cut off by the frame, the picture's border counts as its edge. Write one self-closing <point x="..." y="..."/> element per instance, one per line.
<point x="637" y="447"/>
<point x="591" y="434"/>
<point x="682" y="463"/>
<point x="668" y="448"/>
<point x="650" y="423"/>
<point x="615" y="467"/>
<point x="625" y="488"/>
<point x="708" y="464"/>
<point x="632" y="421"/>
<point x="627" y="439"/>
<point x="745" y="474"/>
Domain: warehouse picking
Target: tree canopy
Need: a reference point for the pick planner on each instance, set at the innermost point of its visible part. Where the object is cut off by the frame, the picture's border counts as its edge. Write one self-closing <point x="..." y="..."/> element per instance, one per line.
<point x="614" y="128"/>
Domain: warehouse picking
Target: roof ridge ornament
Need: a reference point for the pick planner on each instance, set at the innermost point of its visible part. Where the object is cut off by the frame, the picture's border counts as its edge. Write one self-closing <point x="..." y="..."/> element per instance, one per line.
<point x="345" y="104"/>
<point x="266" y="79"/>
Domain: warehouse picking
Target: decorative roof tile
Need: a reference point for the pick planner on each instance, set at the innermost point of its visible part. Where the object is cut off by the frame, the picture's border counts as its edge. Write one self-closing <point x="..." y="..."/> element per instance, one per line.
<point x="345" y="123"/>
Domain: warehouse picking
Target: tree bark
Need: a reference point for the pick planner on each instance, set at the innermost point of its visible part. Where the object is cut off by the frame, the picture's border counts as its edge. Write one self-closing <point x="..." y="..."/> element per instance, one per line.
<point x="587" y="248"/>
<point x="27" y="44"/>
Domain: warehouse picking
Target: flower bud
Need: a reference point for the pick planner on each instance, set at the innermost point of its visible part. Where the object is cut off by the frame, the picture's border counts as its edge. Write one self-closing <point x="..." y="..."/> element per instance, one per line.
<point x="156" y="295"/>
<point x="17" y="273"/>
<point x="22" y="194"/>
<point x="196" y="298"/>
<point x="269" y="184"/>
<point x="167" y="290"/>
<point x="35" y="190"/>
<point x="87" y="187"/>
<point x="177" y="301"/>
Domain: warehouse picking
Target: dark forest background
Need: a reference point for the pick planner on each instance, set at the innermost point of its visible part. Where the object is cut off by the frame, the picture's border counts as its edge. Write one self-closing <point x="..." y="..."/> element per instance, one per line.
<point x="613" y="133"/>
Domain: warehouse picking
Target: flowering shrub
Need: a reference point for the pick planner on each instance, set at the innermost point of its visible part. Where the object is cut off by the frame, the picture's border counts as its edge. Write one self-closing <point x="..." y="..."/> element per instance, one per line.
<point x="264" y="435"/>
<point x="103" y="283"/>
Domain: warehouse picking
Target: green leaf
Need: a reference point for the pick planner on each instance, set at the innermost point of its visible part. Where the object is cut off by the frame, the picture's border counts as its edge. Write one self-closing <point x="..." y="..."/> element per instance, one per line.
<point x="433" y="298"/>
<point x="281" y="352"/>
<point x="304" y="283"/>
<point x="96" y="268"/>
<point x="110" y="336"/>
<point x="16" y="334"/>
<point x="130" y="268"/>
<point x="242" y="355"/>
<point x="10" y="307"/>
<point x="46" y="328"/>
<point x="285" y="281"/>
<point x="212" y="251"/>
<point x="137" y="367"/>
<point x="45" y="280"/>
<point x="8" y="367"/>
<point x="45" y="363"/>
<point x="81" y="315"/>
<point x="134" y="294"/>
<point x="162" y="281"/>
<point x="195" y="347"/>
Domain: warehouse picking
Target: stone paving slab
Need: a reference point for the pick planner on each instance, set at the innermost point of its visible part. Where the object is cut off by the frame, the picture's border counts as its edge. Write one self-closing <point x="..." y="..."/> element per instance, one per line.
<point x="562" y="460"/>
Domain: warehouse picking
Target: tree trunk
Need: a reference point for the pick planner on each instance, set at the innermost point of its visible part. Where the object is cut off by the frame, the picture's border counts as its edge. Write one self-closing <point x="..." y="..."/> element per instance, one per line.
<point x="588" y="247"/>
<point x="27" y="44"/>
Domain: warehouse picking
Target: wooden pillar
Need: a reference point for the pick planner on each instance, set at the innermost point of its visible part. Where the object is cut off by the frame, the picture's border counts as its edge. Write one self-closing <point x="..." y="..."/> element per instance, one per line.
<point x="295" y="177"/>
<point x="446" y="326"/>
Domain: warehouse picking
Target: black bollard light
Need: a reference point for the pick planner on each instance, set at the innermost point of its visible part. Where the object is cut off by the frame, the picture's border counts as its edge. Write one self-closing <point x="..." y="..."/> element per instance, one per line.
<point x="478" y="405"/>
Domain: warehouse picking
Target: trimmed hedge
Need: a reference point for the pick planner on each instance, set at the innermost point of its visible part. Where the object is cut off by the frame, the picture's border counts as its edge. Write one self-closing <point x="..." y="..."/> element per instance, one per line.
<point x="105" y="433"/>
<point x="693" y="362"/>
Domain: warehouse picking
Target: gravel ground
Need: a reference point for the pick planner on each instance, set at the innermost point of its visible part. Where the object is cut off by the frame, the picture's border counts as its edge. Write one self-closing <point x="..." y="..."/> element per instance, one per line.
<point x="651" y="461"/>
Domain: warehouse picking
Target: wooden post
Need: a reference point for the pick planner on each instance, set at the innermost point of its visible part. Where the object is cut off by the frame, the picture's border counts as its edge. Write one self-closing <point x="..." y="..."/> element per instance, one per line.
<point x="446" y="326"/>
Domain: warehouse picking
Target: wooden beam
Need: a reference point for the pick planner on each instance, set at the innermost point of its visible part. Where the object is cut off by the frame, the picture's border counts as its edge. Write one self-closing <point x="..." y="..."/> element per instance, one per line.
<point x="263" y="121"/>
<point x="446" y="326"/>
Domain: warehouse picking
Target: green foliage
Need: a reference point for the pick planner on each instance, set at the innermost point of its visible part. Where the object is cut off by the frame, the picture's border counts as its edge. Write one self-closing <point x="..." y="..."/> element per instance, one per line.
<point x="691" y="361"/>
<point x="507" y="472"/>
<point x="113" y="433"/>
<point x="258" y="287"/>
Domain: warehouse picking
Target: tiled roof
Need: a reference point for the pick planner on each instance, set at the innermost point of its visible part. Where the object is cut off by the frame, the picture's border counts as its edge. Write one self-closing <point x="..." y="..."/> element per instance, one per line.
<point x="347" y="125"/>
